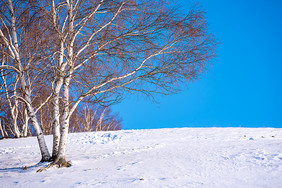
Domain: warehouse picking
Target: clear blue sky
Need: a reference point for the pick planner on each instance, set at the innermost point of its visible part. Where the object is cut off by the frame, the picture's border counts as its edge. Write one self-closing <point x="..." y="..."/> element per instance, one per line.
<point x="244" y="85"/>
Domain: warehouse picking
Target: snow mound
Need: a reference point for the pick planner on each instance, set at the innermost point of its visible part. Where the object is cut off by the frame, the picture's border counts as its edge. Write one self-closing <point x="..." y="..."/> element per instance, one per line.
<point x="93" y="138"/>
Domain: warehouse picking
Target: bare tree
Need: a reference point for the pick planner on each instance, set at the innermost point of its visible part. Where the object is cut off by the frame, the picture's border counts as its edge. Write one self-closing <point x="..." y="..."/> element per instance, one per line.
<point x="3" y="131"/>
<point x="94" y="117"/>
<point x="107" y="48"/>
<point x="11" y="99"/>
<point x="98" y="51"/>
<point x="12" y="34"/>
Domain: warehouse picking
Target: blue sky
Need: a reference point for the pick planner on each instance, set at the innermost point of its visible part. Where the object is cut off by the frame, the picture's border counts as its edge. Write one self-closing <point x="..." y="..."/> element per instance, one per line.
<point x="244" y="85"/>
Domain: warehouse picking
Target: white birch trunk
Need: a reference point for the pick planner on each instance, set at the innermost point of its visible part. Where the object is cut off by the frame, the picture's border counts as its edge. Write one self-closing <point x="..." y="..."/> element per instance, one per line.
<point x="40" y="137"/>
<point x="41" y="141"/>
<point x="99" y="123"/>
<point x="3" y="132"/>
<point x="13" y="108"/>
<point x="56" y="107"/>
<point x="15" y="115"/>
<point x="17" y="133"/>
<point x="25" y="126"/>
<point x="57" y="88"/>
<point x="61" y="158"/>
<point x="56" y="118"/>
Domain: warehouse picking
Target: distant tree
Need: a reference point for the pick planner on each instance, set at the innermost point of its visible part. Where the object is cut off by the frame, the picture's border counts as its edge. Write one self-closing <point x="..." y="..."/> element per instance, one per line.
<point x="86" y="118"/>
<point x="94" y="118"/>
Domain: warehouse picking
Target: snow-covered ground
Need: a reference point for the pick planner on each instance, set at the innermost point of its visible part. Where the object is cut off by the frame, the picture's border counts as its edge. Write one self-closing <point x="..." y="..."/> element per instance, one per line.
<point x="185" y="157"/>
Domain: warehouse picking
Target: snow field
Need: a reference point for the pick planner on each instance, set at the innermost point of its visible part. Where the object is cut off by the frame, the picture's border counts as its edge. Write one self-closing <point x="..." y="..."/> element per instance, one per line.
<point x="182" y="157"/>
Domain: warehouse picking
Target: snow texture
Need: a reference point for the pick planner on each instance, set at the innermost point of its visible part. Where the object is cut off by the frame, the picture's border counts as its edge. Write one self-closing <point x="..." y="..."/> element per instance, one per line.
<point x="185" y="157"/>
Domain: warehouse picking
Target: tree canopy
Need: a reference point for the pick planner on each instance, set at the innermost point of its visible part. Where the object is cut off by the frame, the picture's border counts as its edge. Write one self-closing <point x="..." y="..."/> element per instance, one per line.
<point x="96" y="51"/>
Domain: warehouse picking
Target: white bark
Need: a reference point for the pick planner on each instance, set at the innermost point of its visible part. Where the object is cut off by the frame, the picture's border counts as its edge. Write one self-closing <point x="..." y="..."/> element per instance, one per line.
<point x="15" y="113"/>
<point x="3" y="132"/>
<point x="40" y="137"/>
<point x="56" y="117"/>
<point x="61" y="65"/>
<point x="89" y="118"/>
<point x="25" y="126"/>
<point x="13" y="47"/>
<point x="99" y="123"/>
<point x="56" y="123"/>
<point x="65" y="124"/>
<point x="61" y="158"/>
<point x="13" y="107"/>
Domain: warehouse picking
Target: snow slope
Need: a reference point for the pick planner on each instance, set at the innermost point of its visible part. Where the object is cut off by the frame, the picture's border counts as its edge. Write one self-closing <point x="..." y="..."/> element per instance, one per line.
<point x="185" y="157"/>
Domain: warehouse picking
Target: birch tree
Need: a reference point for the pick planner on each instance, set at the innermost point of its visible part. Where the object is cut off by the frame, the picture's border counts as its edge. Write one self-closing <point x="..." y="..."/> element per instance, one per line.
<point x="94" y="117"/>
<point x="99" y="50"/>
<point x="12" y="34"/>
<point x="107" y="48"/>
<point x="11" y="98"/>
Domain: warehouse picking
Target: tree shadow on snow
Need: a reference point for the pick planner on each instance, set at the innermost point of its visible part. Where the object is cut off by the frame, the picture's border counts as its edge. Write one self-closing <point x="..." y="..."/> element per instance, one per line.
<point x="21" y="169"/>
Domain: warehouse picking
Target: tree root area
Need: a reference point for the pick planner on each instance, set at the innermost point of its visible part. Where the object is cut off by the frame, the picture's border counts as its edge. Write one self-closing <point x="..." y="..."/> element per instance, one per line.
<point x="57" y="163"/>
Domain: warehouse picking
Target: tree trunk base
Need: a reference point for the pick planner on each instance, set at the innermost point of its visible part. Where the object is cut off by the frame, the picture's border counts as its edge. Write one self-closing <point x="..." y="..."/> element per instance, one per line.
<point x="53" y="158"/>
<point x="46" y="159"/>
<point x="59" y="162"/>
